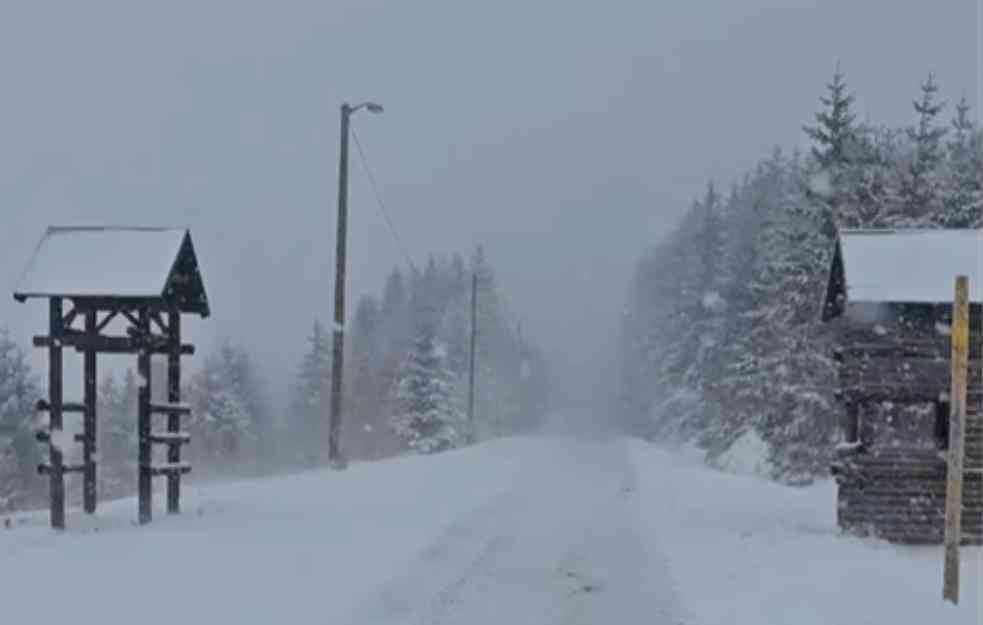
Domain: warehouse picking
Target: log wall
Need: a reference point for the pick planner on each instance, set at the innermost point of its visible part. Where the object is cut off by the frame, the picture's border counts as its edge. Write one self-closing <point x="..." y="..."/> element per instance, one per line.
<point x="891" y="481"/>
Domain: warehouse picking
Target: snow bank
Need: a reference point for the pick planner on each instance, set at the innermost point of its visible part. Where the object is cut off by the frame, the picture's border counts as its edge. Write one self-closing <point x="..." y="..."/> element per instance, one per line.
<point x="748" y="551"/>
<point x="300" y="548"/>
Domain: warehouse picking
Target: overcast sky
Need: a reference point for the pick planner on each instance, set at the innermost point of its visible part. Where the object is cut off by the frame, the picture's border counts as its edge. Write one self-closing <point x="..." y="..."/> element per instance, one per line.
<point x="565" y="135"/>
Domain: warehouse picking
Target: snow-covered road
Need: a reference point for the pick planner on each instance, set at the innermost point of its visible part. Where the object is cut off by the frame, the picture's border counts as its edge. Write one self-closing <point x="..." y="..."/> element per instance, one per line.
<point x="562" y="545"/>
<point x="540" y="530"/>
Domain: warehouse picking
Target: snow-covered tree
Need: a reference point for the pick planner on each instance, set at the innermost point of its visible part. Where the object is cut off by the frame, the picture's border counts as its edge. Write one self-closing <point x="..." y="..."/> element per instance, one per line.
<point x="18" y="450"/>
<point x="833" y="133"/>
<point x="310" y="398"/>
<point x="227" y="407"/>
<point x="962" y="202"/>
<point x="921" y="181"/>
<point x="426" y="414"/>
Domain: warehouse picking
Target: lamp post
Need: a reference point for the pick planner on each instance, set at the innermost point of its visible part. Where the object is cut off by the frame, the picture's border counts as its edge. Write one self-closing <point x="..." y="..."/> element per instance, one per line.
<point x="337" y="362"/>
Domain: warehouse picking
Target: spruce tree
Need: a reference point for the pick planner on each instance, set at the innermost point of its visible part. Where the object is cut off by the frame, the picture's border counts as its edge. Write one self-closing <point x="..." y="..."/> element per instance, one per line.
<point x="310" y="397"/>
<point x="920" y="187"/>
<point x="19" y="453"/>
<point x="227" y="407"/>
<point x="833" y="133"/>
<point x="962" y="204"/>
<point x="426" y="415"/>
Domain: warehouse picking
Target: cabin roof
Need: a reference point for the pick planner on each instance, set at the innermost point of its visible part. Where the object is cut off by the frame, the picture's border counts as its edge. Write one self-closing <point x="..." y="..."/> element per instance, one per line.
<point x="913" y="266"/>
<point x="157" y="264"/>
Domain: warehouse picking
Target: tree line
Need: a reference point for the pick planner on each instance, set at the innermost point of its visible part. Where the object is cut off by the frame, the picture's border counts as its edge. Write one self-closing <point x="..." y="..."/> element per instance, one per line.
<point x="408" y="366"/>
<point x="722" y="341"/>
<point x="406" y="379"/>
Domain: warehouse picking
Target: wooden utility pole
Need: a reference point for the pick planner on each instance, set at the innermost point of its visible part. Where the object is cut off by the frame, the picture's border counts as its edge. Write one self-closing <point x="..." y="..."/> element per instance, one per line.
<point x="957" y="427"/>
<point x="338" y="355"/>
<point x="474" y="345"/>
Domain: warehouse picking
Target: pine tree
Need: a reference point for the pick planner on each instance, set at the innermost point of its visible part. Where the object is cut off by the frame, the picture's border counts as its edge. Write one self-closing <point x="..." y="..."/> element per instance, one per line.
<point x="962" y="203"/>
<point x="310" y="397"/>
<point x="836" y="151"/>
<point x="18" y="451"/>
<point x="834" y="130"/>
<point x="394" y="324"/>
<point x="920" y="187"/>
<point x="366" y="434"/>
<point x="227" y="407"/>
<point x="426" y="415"/>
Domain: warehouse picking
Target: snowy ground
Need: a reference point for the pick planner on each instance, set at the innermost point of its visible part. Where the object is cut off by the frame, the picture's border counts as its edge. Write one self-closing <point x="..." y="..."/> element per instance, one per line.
<point x="538" y="530"/>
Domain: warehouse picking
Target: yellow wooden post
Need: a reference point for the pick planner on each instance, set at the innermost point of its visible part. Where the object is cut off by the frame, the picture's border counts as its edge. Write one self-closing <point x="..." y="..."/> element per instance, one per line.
<point x="957" y="427"/>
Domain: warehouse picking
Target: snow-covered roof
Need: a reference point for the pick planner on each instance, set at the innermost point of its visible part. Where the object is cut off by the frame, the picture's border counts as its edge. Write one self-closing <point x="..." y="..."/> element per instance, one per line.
<point x="131" y="263"/>
<point x="906" y="266"/>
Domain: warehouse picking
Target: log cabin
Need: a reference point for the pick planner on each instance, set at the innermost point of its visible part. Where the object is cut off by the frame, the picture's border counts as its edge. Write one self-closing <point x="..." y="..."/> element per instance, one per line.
<point x="889" y="305"/>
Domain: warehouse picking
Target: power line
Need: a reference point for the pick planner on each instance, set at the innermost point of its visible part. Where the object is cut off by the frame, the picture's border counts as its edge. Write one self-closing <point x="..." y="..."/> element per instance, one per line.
<point x="380" y="204"/>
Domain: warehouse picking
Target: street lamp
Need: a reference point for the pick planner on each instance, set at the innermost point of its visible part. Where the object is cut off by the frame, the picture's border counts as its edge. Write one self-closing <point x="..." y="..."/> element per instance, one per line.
<point x="338" y="357"/>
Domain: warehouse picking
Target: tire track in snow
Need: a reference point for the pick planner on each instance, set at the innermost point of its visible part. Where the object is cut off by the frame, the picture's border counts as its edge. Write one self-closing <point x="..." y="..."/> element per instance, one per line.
<point x="562" y="547"/>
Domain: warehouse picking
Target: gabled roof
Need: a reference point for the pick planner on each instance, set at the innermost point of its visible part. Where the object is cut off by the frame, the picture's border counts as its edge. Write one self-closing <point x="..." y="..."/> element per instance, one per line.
<point x="121" y="263"/>
<point x="903" y="266"/>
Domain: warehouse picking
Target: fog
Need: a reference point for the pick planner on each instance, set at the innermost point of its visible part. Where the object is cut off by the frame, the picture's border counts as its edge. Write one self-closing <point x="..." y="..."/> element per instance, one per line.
<point x="565" y="137"/>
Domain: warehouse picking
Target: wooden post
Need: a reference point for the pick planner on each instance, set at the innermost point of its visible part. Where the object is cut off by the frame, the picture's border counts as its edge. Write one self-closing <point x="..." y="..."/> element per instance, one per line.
<point x="145" y="456"/>
<point x="957" y="426"/>
<point x="56" y="476"/>
<point x="338" y="354"/>
<point x="89" y="422"/>
<point x="174" y="418"/>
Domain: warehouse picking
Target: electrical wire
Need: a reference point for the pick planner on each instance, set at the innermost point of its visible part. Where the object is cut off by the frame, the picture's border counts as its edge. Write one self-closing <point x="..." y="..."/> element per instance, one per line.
<point x="381" y="205"/>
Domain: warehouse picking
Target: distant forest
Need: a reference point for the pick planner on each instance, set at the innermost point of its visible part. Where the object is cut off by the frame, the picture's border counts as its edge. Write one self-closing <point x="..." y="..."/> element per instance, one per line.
<point x="406" y="379"/>
<point x="722" y="342"/>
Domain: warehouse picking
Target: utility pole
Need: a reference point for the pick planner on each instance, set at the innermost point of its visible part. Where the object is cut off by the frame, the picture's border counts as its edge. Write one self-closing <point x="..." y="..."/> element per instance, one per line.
<point x="474" y="344"/>
<point x="335" y="458"/>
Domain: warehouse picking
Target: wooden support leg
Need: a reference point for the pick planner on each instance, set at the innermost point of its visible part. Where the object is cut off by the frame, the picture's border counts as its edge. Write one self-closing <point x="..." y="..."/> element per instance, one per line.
<point x="174" y="419"/>
<point x="89" y="435"/>
<point x="145" y="478"/>
<point x="56" y="476"/>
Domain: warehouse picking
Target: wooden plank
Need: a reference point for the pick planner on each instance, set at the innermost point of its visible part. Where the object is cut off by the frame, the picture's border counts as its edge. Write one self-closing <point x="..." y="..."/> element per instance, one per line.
<point x="178" y="468"/>
<point x="56" y="478"/>
<point x="145" y="449"/>
<point x="957" y="424"/>
<point x="176" y="408"/>
<point x="170" y="438"/>
<point x="113" y="344"/>
<point x="43" y="405"/>
<point x="174" y="415"/>
<point x="89" y="373"/>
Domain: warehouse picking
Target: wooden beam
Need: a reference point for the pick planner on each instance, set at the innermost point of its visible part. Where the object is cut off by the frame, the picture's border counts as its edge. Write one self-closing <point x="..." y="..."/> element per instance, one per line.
<point x="175" y="409"/>
<point x="70" y="317"/>
<point x="56" y="478"/>
<point x="112" y="314"/>
<point x="133" y="319"/>
<point x="144" y="475"/>
<point x="42" y="405"/>
<point x="89" y="420"/>
<point x="178" y="409"/>
<point x="957" y="426"/>
<point x="169" y="469"/>
<point x="112" y="344"/>
<point x="170" y="438"/>
<point x="157" y="319"/>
